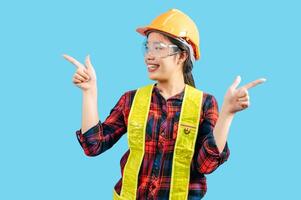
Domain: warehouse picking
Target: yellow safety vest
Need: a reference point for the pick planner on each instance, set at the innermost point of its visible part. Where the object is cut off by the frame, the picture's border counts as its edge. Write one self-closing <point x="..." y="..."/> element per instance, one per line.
<point x="184" y="146"/>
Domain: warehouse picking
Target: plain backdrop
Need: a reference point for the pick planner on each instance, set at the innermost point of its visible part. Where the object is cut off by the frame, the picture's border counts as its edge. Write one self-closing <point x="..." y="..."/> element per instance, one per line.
<point x="41" y="108"/>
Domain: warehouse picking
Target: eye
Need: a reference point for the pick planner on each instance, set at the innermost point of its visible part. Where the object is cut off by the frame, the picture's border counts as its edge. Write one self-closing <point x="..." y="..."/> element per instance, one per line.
<point x="158" y="48"/>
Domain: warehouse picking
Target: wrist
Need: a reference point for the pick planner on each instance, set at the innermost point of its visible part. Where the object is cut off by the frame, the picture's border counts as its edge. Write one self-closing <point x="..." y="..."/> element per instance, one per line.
<point x="225" y="112"/>
<point x="90" y="91"/>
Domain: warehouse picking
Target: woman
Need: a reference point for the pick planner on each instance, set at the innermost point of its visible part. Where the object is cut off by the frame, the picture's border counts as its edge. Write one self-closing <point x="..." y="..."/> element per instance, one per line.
<point x="169" y="154"/>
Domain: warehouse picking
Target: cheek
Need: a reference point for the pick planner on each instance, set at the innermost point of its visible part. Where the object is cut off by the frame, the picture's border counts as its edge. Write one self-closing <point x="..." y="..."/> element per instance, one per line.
<point x="167" y="66"/>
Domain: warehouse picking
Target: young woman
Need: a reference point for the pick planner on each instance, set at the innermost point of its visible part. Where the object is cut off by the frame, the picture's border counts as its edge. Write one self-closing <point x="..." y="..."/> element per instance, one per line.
<point x="175" y="132"/>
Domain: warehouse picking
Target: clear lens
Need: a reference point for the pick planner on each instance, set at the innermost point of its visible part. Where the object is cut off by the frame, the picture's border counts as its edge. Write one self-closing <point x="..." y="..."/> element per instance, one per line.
<point x="159" y="49"/>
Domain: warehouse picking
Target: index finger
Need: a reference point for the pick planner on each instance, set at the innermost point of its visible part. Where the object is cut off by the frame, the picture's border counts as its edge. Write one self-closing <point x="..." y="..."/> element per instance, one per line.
<point x="254" y="83"/>
<point x="73" y="61"/>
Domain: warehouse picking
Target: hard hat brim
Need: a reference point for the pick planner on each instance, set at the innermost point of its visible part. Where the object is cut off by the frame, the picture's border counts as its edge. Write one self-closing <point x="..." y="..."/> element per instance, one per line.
<point x="143" y="30"/>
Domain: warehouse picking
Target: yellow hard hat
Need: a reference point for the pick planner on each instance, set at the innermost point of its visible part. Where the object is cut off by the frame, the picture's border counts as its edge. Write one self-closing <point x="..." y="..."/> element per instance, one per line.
<point x="177" y="24"/>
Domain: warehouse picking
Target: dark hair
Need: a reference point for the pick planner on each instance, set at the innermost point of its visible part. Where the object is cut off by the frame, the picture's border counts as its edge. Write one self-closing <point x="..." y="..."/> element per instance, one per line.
<point x="188" y="65"/>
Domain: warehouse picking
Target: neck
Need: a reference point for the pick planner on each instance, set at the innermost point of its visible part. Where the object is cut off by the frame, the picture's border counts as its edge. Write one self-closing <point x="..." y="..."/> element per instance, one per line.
<point x="171" y="87"/>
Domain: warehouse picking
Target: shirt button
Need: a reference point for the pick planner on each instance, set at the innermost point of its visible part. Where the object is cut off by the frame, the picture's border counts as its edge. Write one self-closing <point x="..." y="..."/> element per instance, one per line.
<point x="160" y="145"/>
<point x="154" y="177"/>
<point x="163" y="133"/>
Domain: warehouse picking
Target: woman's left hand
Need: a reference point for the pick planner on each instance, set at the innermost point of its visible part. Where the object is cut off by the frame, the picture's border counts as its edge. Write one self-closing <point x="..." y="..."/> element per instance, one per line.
<point x="237" y="99"/>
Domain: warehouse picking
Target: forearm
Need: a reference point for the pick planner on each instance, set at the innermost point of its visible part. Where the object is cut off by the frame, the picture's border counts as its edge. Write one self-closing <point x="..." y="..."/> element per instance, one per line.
<point x="89" y="109"/>
<point x="221" y="129"/>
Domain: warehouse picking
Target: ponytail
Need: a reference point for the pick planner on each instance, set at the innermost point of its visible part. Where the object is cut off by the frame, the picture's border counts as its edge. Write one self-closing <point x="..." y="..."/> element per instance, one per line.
<point x="187" y="68"/>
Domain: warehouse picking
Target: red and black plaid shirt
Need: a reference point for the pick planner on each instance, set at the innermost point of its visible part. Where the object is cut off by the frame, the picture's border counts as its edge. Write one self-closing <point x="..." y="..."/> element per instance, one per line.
<point x="161" y="132"/>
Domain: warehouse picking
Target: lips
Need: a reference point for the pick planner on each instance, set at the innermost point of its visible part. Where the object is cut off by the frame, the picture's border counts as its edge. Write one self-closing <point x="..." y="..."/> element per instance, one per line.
<point x="152" y="67"/>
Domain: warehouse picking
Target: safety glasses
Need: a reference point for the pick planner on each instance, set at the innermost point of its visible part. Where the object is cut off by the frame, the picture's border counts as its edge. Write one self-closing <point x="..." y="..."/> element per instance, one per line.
<point x="159" y="49"/>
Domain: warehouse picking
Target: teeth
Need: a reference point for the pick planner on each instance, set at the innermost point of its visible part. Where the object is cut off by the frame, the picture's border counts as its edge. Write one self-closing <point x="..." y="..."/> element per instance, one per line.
<point x="153" y="66"/>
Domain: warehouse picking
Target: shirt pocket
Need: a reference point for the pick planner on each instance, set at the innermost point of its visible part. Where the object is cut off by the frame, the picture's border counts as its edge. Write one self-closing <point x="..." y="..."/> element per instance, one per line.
<point x="150" y="129"/>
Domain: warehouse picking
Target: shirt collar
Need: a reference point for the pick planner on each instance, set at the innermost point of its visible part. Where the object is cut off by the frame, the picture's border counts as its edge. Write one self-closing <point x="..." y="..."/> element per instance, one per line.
<point x="178" y="96"/>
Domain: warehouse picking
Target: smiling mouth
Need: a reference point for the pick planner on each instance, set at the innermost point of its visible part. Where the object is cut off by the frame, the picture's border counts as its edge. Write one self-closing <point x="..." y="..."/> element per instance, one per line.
<point x="152" y="68"/>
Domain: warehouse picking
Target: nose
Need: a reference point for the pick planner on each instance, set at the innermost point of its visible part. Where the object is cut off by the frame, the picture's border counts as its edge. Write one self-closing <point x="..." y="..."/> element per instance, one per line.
<point x="149" y="56"/>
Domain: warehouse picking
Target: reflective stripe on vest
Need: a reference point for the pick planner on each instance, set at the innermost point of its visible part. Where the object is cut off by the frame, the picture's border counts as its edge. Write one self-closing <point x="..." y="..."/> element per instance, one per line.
<point x="183" y="150"/>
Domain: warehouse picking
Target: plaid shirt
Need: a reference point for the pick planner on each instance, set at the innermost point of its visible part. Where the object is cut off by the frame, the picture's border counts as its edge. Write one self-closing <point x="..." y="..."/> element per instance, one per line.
<point x="161" y="132"/>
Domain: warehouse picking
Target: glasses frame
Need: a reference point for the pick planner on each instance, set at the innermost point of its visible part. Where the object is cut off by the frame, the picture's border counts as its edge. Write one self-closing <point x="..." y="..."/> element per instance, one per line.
<point x="146" y="50"/>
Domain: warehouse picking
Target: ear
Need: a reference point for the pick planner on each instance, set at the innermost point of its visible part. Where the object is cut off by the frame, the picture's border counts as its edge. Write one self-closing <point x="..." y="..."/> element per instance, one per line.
<point x="182" y="57"/>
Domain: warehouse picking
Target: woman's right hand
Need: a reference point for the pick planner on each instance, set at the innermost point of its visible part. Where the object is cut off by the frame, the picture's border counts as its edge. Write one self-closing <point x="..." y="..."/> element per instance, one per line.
<point x="85" y="76"/>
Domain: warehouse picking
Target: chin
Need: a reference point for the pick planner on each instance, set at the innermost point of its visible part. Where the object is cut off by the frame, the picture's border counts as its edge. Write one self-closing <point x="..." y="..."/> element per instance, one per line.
<point x="156" y="78"/>
<point x="153" y="77"/>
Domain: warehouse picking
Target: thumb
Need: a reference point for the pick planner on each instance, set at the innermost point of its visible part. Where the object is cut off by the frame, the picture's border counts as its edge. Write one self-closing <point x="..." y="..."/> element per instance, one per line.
<point x="236" y="82"/>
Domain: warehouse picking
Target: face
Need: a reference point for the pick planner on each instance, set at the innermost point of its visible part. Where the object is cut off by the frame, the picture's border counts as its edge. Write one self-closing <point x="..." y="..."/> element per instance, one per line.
<point x="167" y="66"/>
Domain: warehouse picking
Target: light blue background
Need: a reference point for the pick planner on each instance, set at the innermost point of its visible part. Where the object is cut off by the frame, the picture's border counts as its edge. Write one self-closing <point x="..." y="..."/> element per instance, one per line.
<point x="41" y="108"/>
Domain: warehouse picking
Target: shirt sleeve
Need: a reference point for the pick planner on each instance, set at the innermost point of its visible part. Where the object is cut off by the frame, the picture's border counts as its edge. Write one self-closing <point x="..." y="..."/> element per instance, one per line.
<point x="207" y="157"/>
<point x="103" y="136"/>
